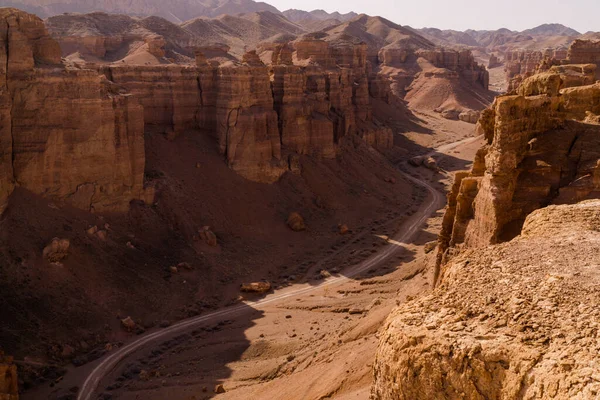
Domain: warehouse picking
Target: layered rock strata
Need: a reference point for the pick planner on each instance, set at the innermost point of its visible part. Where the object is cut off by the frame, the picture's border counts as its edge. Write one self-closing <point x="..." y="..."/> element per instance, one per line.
<point x="522" y="65"/>
<point x="76" y="135"/>
<point x="511" y="315"/>
<point x="540" y="150"/>
<point x="65" y="134"/>
<point x="512" y="321"/>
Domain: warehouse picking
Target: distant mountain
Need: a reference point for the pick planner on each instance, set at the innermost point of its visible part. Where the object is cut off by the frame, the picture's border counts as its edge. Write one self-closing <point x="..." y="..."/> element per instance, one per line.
<point x="175" y="11"/>
<point x="546" y="35"/>
<point x="551" y="30"/>
<point x="317" y="15"/>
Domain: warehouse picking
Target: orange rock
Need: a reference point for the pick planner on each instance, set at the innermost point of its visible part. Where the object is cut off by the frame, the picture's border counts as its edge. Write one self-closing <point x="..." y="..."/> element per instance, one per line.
<point x="256" y="287"/>
<point x="296" y="222"/>
<point x="208" y="236"/>
<point x="343" y="229"/>
<point x="9" y="384"/>
<point x="57" y="250"/>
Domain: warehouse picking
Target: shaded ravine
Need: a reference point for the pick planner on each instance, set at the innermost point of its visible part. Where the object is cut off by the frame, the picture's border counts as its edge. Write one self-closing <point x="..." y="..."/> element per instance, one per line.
<point x="435" y="200"/>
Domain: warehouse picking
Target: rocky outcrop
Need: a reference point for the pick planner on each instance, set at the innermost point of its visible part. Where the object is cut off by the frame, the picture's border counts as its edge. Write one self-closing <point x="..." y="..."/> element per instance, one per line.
<point x="513" y="321"/>
<point x="540" y="150"/>
<point x="461" y="61"/>
<point x="494" y="61"/>
<point x="66" y="134"/>
<point x="584" y="52"/>
<point x="9" y="389"/>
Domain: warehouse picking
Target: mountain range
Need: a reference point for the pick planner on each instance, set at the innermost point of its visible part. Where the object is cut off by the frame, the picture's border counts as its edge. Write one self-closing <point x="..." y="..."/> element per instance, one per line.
<point x="546" y="35"/>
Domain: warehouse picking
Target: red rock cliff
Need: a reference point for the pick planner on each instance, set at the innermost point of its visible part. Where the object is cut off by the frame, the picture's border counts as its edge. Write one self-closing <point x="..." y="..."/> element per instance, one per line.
<point x="66" y="134"/>
<point x="541" y="150"/>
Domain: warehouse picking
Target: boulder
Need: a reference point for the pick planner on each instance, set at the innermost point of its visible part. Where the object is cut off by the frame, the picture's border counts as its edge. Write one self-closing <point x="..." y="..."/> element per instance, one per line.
<point x="128" y="324"/>
<point x="296" y="222"/>
<point x="255" y="287"/>
<point x="219" y="389"/>
<point x="208" y="236"/>
<point x="57" y="250"/>
<point x="470" y="116"/>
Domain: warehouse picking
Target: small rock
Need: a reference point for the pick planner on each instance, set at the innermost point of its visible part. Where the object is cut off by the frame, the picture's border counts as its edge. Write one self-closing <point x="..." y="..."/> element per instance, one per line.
<point x="144" y="375"/>
<point x="429" y="247"/>
<point x="296" y="222"/>
<point x="344" y="229"/>
<point x="92" y="231"/>
<point x="184" y="265"/>
<point x="208" y="236"/>
<point x="324" y="274"/>
<point x="173" y="269"/>
<point x="131" y="246"/>
<point x="128" y="323"/>
<point x="57" y="250"/>
<point x="102" y="235"/>
<point x="219" y="389"/>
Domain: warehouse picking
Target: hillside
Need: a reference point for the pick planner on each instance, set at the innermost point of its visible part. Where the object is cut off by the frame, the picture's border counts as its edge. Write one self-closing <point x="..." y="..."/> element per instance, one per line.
<point x="177" y="12"/>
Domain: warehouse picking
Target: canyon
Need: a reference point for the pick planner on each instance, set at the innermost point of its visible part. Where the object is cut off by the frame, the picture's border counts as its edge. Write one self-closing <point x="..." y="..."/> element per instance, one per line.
<point x="225" y="200"/>
<point x="495" y="325"/>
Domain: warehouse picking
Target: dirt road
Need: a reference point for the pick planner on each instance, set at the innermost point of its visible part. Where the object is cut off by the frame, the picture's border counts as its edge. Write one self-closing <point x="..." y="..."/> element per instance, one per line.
<point x="434" y="201"/>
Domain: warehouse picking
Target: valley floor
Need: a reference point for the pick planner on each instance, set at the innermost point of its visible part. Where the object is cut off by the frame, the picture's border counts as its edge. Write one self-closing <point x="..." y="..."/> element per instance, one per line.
<point x="316" y="339"/>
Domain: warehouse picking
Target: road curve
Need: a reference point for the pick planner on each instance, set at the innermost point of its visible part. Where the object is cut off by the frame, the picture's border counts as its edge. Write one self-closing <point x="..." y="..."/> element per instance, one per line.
<point x="435" y="201"/>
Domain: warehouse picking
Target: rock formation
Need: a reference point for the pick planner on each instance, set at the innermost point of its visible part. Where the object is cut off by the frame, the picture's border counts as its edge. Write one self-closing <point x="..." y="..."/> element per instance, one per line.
<point x="66" y="134"/>
<point x="513" y="321"/>
<point x="258" y="125"/>
<point x="581" y="52"/>
<point x="584" y="52"/>
<point x="540" y="150"/>
<point x="510" y="317"/>
<point x="494" y="62"/>
<point x="9" y="389"/>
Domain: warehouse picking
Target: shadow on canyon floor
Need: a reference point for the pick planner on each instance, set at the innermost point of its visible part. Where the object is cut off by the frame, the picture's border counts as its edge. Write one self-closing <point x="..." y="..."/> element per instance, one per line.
<point x="170" y="224"/>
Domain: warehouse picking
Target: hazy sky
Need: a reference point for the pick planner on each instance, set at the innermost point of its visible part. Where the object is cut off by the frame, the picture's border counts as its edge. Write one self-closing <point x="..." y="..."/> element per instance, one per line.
<point x="582" y="15"/>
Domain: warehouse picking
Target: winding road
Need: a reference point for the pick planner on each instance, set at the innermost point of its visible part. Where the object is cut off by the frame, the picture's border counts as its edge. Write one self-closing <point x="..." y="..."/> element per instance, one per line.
<point x="435" y="200"/>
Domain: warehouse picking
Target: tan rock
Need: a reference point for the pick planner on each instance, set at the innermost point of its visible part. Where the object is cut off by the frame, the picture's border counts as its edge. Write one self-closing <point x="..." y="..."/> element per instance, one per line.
<point x="502" y="316"/>
<point x="296" y="222"/>
<point x="470" y="116"/>
<point x="256" y="287"/>
<point x="57" y="250"/>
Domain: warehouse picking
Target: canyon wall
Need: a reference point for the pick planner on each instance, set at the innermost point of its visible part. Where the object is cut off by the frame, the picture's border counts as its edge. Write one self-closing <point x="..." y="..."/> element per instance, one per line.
<point x="65" y="134"/>
<point x="513" y="312"/>
<point x="584" y="52"/>
<point x="304" y="102"/>
<point x="75" y="132"/>
<point x="540" y="150"/>
<point x="523" y="64"/>
<point x="511" y="321"/>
